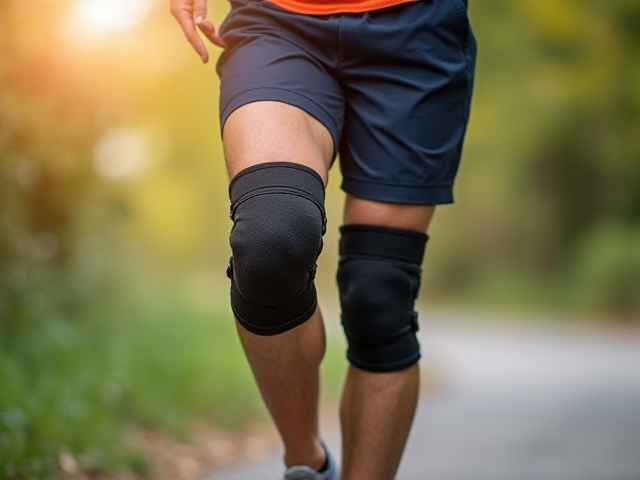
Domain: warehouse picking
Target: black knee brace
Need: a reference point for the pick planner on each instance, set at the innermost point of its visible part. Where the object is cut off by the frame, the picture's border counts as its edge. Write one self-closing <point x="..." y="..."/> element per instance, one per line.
<point x="278" y="218"/>
<point x="378" y="279"/>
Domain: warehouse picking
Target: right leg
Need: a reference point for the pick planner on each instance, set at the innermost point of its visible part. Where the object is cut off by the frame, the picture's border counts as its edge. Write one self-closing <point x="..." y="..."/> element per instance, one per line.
<point x="285" y="364"/>
<point x="278" y="104"/>
<point x="286" y="370"/>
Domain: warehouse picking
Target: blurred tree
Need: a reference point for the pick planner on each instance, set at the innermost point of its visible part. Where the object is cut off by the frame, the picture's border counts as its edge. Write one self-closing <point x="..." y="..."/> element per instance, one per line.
<point x="46" y="135"/>
<point x="585" y="170"/>
<point x="554" y="131"/>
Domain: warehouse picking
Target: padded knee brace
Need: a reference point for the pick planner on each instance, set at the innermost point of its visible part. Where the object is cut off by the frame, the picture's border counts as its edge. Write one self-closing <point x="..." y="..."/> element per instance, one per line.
<point x="278" y="217"/>
<point x="378" y="279"/>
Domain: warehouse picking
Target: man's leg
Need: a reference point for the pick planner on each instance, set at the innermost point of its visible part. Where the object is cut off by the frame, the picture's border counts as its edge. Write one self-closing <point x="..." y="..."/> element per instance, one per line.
<point x="285" y="365"/>
<point x="286" y="370"/>
<point x="376" y="415"/>
<point x="377" y="408"/>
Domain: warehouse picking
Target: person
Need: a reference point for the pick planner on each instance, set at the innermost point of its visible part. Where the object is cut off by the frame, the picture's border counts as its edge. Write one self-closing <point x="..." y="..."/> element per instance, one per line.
<point x="386" y="86"/>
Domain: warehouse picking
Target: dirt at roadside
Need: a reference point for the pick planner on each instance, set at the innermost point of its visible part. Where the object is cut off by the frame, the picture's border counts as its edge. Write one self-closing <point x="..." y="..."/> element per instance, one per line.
<point x="209" y="450"/>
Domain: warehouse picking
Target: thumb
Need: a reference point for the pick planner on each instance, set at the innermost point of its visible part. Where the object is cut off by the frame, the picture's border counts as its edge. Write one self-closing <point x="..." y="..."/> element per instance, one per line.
<point x="199" y="10"/>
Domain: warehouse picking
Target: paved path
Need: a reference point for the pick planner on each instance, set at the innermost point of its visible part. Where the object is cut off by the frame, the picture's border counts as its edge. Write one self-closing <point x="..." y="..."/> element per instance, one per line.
<point x="518" y="403"/>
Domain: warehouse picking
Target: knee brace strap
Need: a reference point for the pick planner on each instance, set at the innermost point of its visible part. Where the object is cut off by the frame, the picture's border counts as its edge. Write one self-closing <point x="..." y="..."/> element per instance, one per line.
<point x="278" y="217"/>
<point x="378" y="279"/>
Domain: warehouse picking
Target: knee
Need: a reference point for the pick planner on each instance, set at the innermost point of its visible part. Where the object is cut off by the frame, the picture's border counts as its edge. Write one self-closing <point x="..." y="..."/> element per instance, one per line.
<point x="274" y="253"/>
<point x="379" y="279"/>
<point x="276" y="238"/>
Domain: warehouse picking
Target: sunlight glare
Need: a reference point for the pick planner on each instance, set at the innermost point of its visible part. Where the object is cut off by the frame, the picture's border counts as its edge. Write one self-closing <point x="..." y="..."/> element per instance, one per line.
<point x="121" y="153"/>
<point x="105" y="15"/>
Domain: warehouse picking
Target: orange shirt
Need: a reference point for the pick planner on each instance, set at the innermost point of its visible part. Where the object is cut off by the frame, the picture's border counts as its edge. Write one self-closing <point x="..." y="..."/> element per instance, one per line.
<point x="324" y="7"/>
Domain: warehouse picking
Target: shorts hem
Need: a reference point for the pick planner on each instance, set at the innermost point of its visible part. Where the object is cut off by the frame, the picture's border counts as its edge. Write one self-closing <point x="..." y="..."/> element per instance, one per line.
<point x="407" y="194"/>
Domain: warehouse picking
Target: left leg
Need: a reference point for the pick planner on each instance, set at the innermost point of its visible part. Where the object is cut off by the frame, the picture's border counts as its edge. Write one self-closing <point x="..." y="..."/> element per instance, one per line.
<point x="380" y="394"/>
<point x="403" y="135"/>
<point x="376" y="414"/>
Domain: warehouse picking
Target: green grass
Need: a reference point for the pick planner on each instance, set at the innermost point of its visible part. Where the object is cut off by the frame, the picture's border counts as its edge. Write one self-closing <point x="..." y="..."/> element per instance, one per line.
<point x="52" y="400"/>
<point x="75" y="383"/>
<point x="175" y="363"/>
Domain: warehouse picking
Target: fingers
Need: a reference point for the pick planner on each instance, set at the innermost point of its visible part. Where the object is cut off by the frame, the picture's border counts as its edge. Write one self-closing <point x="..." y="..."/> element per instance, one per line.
<point x="199" y="10"/>
<point x="191" y="15"/>
<point x="209" y="30"/>
<point x="206" y="26"/>
<point x="183" y="11"/>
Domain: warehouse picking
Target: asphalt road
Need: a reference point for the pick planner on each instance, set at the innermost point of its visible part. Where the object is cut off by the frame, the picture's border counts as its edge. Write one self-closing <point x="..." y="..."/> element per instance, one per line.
<point x="517" y="403"/>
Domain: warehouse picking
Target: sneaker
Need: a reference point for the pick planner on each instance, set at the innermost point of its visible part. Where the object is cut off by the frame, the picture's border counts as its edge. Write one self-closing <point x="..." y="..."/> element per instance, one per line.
<point x="304" y="472"/>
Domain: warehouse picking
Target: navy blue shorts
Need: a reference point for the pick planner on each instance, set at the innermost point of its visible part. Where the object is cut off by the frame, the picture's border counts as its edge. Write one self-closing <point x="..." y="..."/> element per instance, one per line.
<point x="392" y="86"/>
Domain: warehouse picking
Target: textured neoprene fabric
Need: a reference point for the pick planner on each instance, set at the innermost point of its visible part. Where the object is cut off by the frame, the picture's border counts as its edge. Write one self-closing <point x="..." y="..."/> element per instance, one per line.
<point x="379" y="279"/>
<point x="278" y="214"/>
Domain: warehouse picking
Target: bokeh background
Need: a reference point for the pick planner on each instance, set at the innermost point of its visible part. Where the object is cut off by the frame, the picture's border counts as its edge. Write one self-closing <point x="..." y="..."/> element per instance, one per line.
<point x="114" y="212"/>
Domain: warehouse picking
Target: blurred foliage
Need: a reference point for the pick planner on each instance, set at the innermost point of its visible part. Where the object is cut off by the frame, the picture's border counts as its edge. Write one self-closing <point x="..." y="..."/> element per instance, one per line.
<point x="112" y="183"/>
<point x="76" y="388"/>
<point x="81" y="356"/>
<point x="552" y="159"/>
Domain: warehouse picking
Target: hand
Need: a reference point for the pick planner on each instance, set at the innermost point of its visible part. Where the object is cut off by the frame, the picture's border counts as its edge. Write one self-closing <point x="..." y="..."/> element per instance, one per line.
<point x="191" y="14"/>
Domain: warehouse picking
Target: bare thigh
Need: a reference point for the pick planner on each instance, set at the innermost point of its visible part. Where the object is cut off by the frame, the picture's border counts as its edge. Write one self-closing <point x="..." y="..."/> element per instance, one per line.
<point x="370" y="212"/>
<point x="269" y="131"/>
